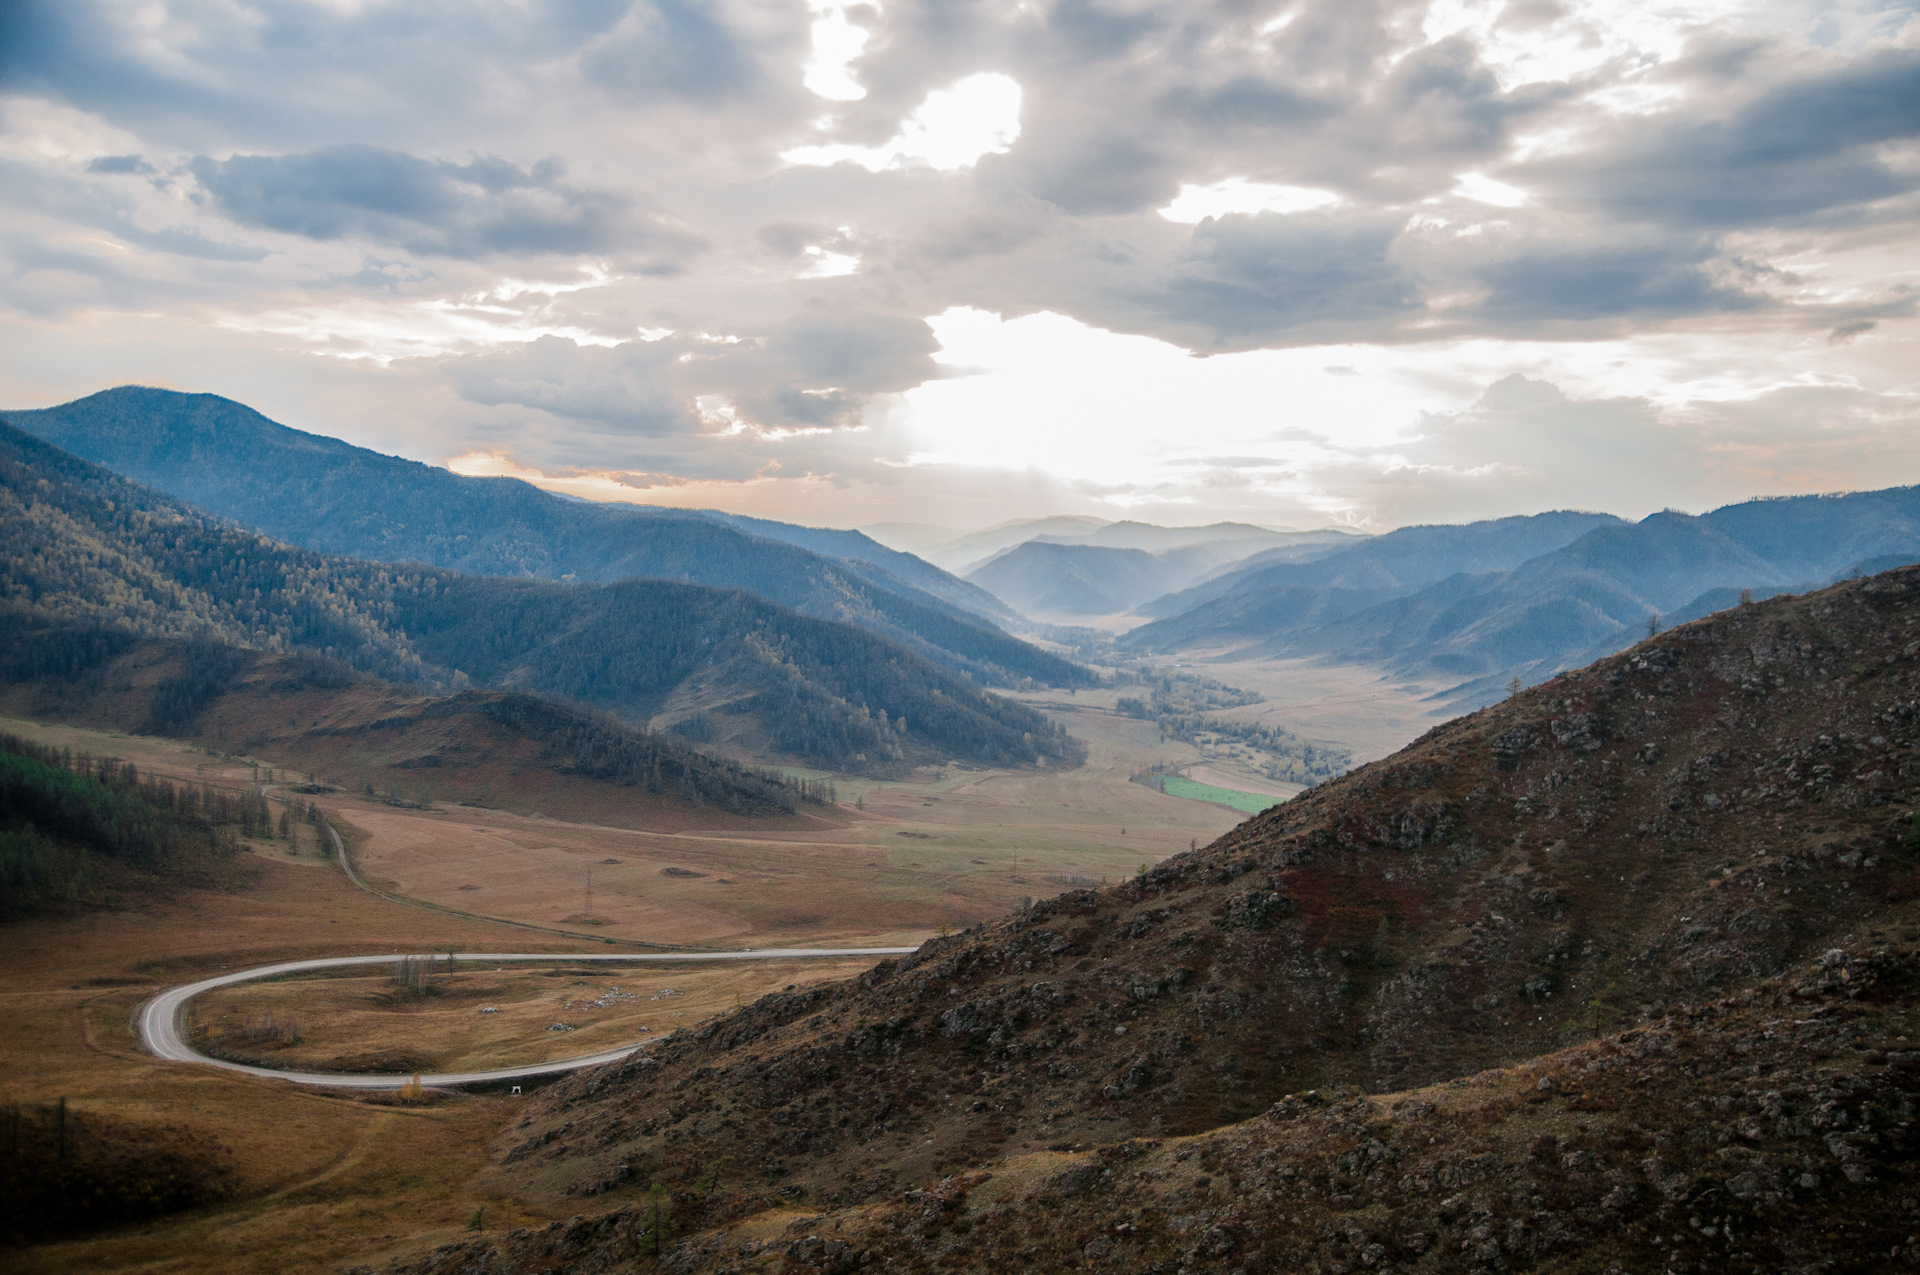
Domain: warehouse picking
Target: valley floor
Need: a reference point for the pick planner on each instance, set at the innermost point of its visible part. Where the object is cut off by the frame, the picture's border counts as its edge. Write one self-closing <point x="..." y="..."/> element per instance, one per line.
<point x="324" y="1180"/>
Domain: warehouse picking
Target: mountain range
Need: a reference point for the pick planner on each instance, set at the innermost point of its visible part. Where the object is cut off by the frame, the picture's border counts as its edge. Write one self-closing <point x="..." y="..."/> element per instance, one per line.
<point x="1058" y="579"/>
<point x="326" y="495"/>
<point x="1475" y="606"/>
<point x="82" y="548"/>
<point x="1613" y="975"/>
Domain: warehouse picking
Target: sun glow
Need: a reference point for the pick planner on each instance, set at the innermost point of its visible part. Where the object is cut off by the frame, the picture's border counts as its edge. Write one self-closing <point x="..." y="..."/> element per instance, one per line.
<point x="951" y="130"/>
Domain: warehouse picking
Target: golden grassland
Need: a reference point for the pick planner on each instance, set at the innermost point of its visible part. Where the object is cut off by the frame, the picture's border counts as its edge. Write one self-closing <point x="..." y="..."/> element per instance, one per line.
<point x="949" y="849"/>
<point x="474" y="1016"/>
<point x="327" y="1180"/>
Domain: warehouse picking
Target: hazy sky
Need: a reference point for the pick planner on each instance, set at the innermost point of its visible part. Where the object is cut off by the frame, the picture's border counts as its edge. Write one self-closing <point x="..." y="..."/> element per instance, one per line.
<point x="1297" y="263"/>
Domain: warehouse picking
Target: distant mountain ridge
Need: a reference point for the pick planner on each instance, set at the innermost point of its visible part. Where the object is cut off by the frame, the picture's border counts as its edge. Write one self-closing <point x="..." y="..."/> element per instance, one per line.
<point x="1051" y="580"/>
<point x="327" y="495"/>
<point x="82" y="547"/>
<point x="1395" y="562"/>
<point x="958" y="550"/>
<point x="1394" y="603"/>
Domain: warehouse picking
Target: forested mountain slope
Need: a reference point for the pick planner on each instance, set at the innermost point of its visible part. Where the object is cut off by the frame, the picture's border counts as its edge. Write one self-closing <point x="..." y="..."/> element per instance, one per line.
<point x="81" y="547"/>
<point x="885" y="567"/>
<point x="310" y="714"/>
<point x="323" y="494"/>
<point x="1718" y="806"/>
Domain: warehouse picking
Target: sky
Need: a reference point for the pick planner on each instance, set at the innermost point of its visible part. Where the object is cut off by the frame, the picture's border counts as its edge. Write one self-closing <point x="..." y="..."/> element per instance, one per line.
<point x="1332" y="262"/>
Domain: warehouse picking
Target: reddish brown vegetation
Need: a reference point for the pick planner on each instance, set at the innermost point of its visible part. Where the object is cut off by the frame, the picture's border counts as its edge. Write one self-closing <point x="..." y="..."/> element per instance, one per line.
<point x="1691" y="816"/>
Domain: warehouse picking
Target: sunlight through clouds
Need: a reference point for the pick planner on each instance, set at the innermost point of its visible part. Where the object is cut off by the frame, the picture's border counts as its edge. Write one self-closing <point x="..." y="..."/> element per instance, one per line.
<point x="1238" y="195"/>
<point x="1485" y="190"/>
<point x="836" y="42"/>
<point x="968" y="253"/>
<point x="951" y="130"/>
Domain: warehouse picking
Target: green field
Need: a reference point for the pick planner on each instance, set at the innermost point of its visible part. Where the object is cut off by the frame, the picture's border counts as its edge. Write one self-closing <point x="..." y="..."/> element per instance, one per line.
<point x="1251" y="803"/>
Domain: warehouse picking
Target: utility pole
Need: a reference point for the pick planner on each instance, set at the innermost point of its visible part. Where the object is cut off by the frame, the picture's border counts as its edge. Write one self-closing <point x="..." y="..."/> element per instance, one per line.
<point x="589" y="894"/>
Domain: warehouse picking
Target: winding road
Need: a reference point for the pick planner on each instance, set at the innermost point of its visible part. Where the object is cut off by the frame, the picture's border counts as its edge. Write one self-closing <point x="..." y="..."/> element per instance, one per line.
<point x="161" y="1018"/>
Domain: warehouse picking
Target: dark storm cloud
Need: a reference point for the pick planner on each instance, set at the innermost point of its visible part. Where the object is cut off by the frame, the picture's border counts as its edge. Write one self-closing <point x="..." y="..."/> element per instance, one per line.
<point x="487" y="207"/>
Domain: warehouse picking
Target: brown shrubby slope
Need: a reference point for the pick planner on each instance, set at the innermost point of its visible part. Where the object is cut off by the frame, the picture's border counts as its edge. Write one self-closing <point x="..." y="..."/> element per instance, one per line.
<point x="1769" y="1130"/>
<point x="1683" y="820"/>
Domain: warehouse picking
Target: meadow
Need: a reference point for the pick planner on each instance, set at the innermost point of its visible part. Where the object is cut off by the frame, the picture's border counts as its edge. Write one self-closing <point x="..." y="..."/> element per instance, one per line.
<point x="1251" y="803"/>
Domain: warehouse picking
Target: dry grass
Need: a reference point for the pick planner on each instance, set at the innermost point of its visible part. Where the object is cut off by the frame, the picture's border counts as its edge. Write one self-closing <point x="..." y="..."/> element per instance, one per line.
<point x="323" y="1180"/>
<point x="320" y="1179"/>
<point x="336" y="1019"/>
<point x="949" y="850"/>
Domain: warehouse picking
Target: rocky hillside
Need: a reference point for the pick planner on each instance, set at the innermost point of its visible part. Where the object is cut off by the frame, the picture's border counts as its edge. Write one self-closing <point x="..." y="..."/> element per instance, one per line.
<point x="1770" y="1130"/>
<point x="1682" y="821"/>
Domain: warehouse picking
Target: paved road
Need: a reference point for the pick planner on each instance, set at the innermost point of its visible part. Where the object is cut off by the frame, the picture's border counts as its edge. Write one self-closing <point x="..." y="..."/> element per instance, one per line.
<point x="161" y="1017"/>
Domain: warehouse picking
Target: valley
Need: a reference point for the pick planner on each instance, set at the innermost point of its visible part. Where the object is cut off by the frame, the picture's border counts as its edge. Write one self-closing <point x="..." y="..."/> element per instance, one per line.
<point x="1153" y="884"/>
<point x="322" y="1179"/>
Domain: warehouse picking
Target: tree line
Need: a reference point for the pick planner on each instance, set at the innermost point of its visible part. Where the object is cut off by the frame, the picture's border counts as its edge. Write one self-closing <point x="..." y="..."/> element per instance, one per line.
<point x="577" y="741"/>
<point x="1176" y="705"/>
<point x="60" y="812"/>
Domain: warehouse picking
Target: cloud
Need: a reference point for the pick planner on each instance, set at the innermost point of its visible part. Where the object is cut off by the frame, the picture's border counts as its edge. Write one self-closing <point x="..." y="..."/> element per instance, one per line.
<point x="681" y="49"/>
<point x="1574" y="285"/>
<point x="1809" y="145"/>
<point x="70" y="200"/>
<point x="1251" y="281"/>
<point x="1430" y="195"/>
<point x="816" y="373"/>
<point x="626" y="386"/>
<point x="119" y="164"/>
<point x="951" y="130"/>
<point x="487" y="207"/>
<point x="1526" y="446"/>
<point x="1238" y="195"/>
